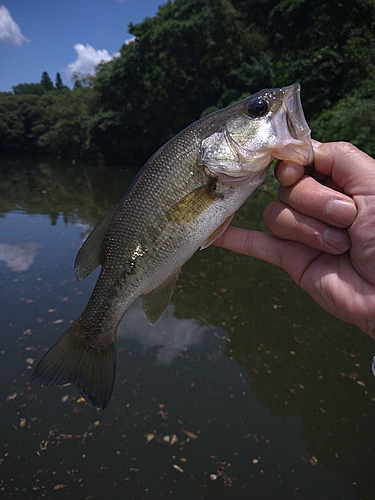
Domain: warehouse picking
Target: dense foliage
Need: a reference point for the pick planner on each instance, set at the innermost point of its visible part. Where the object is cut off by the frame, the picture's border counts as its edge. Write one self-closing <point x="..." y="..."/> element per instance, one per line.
<point x="195" y="56"/>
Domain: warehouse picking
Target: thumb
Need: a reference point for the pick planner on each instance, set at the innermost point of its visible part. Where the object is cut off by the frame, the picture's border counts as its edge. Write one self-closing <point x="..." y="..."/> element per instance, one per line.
<point x="351" y="169"/>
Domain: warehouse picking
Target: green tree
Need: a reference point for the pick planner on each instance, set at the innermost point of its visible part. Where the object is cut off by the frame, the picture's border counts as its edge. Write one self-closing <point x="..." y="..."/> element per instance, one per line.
<point x="195" y="56"/>
<point x="28" y="88"/>
<point x="328" y="46"/>
<point x="18" y="113"/>
<point x="11" y="125"/>
<point x="59" y="83"/>
<point x="351" y="119"/>
<point x="192" y="56"/>
<point x="64" y="124"/>
<point x="77" y="84"/>
<point x="82" y="80"/>
<point x="46" y="82"/>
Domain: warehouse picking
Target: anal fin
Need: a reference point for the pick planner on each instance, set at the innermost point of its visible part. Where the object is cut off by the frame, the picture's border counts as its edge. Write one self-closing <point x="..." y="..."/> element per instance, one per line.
<point x="156" y="302"/>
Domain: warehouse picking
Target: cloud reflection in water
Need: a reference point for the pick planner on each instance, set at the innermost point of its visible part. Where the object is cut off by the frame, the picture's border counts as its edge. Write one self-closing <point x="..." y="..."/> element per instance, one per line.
<point x="18" y="257"/>
<point x="171" y="334"/>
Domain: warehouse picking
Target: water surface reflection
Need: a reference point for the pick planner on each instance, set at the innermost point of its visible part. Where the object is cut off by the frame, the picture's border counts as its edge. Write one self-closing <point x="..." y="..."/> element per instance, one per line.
<point x="245" y="389"/>
<point x="170" y="337"/>
<point x="18" y="257"/>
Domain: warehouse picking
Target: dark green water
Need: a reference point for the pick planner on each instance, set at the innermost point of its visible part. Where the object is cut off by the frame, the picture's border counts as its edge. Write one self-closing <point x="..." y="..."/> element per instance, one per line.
<point x="245" y="389"/>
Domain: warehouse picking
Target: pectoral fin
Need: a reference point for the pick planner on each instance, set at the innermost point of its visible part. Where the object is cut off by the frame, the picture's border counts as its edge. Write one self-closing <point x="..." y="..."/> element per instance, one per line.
<point x="192" y="205"/>
<point x="90" y="253"/>
<point x="156" y="302"/>
<point x="218" y="232"/>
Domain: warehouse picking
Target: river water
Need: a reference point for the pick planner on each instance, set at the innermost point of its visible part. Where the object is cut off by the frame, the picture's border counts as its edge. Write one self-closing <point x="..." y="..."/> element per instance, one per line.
<point x="245" y="388"/>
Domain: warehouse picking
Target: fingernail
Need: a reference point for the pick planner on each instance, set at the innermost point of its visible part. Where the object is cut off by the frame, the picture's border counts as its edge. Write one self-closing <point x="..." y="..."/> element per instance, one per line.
<point x="341" y="212"/>
<point x="337" y="239"/>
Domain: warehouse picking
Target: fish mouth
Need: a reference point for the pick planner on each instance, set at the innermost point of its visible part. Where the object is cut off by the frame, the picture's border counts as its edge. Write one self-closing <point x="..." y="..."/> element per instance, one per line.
<point x="295" y="117"/>
<point x="292" y="128"/>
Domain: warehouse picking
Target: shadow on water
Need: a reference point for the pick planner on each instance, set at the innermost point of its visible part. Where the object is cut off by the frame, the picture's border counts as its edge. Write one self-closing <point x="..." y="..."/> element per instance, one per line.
<point x="245" y="388"/>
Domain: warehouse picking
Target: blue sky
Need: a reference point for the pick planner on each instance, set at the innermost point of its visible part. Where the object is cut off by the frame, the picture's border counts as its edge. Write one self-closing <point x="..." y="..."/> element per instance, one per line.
<point x="63" y="36"/>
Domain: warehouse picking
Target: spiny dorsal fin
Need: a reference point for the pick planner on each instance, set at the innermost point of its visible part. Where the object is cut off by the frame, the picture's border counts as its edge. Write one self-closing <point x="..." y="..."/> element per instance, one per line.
<point x="192" y="205"/>
<point x="156" y="302"/>
<point x="90" y="254"/>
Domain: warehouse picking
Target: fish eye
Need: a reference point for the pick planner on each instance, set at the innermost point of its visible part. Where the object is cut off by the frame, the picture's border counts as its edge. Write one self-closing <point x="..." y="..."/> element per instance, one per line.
<point x="257" y="107"/>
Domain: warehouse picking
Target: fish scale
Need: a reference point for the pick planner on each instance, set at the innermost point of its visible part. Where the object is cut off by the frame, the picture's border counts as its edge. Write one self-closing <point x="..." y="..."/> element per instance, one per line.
<point x="181" y="200"/>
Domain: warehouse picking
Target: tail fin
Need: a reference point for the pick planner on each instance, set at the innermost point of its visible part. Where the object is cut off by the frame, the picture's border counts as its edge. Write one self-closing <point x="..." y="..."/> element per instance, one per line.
<point x="90" y="369"/>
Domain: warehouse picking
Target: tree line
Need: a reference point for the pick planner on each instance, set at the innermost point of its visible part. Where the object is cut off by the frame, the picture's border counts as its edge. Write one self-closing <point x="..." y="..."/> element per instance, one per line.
<point x="196" y="56"/>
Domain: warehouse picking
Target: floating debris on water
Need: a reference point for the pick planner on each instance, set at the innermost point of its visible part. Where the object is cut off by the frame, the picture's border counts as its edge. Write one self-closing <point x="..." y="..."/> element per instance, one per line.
<point x="177" y="467"/>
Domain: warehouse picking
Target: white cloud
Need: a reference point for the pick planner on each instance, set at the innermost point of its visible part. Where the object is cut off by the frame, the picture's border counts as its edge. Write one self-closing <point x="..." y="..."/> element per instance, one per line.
<point x="170" y="336"/>
<point x="87" y="60"/>
<point x="10" y="32"/>
<point x="18" y="257"/>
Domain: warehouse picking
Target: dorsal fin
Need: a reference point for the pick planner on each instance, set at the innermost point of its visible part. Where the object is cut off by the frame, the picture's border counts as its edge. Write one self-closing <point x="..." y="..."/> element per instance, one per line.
<point x="90" y="254"/>
<point x="156" y="302"/>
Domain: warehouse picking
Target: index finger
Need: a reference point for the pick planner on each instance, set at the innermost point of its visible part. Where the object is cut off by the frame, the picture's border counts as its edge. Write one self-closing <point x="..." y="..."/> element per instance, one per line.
<point x="288" y="173"/>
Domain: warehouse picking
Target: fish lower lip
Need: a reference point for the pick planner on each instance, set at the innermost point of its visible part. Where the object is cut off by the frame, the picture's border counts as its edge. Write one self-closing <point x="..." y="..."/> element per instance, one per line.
<point x="295" y="117"/>
<point x="292" y="90"/>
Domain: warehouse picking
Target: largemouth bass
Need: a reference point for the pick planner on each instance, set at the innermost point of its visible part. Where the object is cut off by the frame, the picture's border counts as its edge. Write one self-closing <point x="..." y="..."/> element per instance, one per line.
<point x="181" y="200"/>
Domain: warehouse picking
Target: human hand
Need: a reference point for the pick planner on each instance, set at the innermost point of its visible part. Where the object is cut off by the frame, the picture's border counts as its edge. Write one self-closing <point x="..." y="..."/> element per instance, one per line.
<point x="322" y="231"/>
